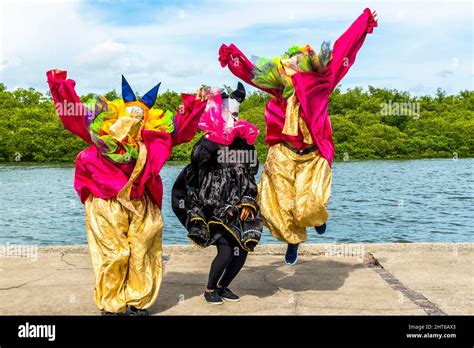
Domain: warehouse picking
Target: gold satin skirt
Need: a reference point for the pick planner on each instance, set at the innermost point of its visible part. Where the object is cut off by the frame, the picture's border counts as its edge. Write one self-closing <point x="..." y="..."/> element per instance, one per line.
<point x="293" y="193"/>
<point x="126" y="252"/>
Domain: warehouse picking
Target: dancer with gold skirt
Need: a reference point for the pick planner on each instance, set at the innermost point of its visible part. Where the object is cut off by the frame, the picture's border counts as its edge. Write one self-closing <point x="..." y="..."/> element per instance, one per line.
<point x="118" y="179"/>
<point x="296" y="181"/>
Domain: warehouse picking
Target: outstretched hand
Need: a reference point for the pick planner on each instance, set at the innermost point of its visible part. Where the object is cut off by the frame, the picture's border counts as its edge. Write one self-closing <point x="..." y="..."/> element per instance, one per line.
<point x="246" y="211"/>
<point x="200" y="94"/>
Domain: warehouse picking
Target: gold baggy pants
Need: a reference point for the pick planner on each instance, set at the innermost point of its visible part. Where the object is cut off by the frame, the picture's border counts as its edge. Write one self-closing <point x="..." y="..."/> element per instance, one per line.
<point x="126" y="252"/>
<point x="293" y="192"/>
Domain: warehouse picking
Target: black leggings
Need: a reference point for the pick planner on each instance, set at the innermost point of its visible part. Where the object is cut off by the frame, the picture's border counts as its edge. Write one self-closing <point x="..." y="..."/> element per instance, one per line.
<point x="227" y="264"/>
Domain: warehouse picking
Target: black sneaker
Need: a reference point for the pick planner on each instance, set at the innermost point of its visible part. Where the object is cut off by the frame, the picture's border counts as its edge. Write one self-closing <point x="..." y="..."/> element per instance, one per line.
<point x="212" y="297"/>
<point x="320" y="229"/>
<point x="134" y="311"/>
<point x="291" y="255"/>
<point x="228" y="295"/>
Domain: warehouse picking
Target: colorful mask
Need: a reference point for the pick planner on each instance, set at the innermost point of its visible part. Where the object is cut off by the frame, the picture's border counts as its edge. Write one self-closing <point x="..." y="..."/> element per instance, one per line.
<point x="116" y="126"/>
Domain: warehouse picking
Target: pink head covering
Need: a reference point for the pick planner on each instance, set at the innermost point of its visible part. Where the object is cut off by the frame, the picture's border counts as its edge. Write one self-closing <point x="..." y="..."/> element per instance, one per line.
<point x="219" y="124"/>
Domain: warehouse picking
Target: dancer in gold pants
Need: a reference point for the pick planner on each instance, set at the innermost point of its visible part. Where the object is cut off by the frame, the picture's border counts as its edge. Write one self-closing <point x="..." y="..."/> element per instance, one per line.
<point x="118" y="179"/>
<point x="126" y="252"/>
<point x="293" y="192"/>
<point x="296" y="180"/>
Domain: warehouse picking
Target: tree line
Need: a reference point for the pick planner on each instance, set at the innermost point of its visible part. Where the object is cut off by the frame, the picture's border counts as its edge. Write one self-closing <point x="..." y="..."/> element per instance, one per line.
<point x="372" y="123"/>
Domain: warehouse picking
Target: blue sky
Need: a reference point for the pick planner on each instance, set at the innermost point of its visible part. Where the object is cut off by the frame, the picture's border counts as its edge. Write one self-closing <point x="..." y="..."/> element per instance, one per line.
<point x="418" y="46"/>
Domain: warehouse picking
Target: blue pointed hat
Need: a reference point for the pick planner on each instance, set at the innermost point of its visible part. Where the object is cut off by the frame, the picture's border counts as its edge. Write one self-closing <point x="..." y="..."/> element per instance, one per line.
<point x="148" y="99"/>
<point x="127" y="93"/>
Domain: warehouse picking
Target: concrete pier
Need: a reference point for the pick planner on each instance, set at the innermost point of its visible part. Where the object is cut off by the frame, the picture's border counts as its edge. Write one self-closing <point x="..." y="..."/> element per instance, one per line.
<point x="333" y="279"/>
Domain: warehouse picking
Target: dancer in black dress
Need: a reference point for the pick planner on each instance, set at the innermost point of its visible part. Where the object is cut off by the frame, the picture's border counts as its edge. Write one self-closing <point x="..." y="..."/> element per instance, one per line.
<point x="214" y="197"/>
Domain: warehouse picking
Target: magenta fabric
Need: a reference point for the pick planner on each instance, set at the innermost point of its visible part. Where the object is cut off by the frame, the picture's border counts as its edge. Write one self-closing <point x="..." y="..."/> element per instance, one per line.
<point x="63" y="92"/>
<point x="187" y="119"/>
<point x="311" y="88"/>
<point x="213" y="124"/>
<point x="98" y="175"/>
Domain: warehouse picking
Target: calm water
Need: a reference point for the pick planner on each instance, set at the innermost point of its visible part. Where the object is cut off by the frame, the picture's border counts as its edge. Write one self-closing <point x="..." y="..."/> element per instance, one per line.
<point x="372" y="201"/>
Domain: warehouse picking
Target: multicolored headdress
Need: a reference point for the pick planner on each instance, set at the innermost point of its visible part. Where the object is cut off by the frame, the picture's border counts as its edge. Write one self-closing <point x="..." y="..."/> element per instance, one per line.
<point x="115" y="126"/>
<point x="277" y="72"/>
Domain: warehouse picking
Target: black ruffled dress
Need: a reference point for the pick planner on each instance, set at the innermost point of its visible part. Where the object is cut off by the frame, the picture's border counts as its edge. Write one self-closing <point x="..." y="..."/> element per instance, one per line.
<point x="209" y="192"/>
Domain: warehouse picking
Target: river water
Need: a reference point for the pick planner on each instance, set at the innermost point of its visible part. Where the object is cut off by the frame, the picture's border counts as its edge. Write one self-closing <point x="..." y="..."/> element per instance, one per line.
<point x="372" y="201"/>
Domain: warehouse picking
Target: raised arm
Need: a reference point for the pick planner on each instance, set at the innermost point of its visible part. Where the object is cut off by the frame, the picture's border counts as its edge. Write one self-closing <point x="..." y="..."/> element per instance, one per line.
<point x="187" y="119"/>
<point x="240" y="66"/>
<point x="68" y="105"/>
<point x="347" y="46"/>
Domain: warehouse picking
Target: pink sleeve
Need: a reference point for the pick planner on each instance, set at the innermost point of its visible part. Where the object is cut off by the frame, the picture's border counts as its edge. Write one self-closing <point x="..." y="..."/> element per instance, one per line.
<point x="187" y="119"/>
<point x="158" y="146"/>
<point x="312" y="95"/>
<point x="68" y="105"/>
<point x="240" y="66"/>
<point x="348" y="44"/>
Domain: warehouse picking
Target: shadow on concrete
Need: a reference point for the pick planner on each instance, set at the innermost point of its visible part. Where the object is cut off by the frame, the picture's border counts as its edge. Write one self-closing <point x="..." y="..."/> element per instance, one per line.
<point x="260" y="281"/>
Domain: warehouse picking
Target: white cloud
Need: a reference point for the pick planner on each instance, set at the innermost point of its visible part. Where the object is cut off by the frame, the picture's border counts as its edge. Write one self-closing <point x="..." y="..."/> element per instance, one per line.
<point x="179" y="45"/>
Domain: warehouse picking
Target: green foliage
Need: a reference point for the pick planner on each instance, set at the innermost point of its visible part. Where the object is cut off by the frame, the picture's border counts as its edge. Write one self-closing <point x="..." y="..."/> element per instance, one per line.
<point x="168" y="101"/>
<point x="414" y="127"/>
<point x="256" y="116"/>
<point x="362" y="128"/>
